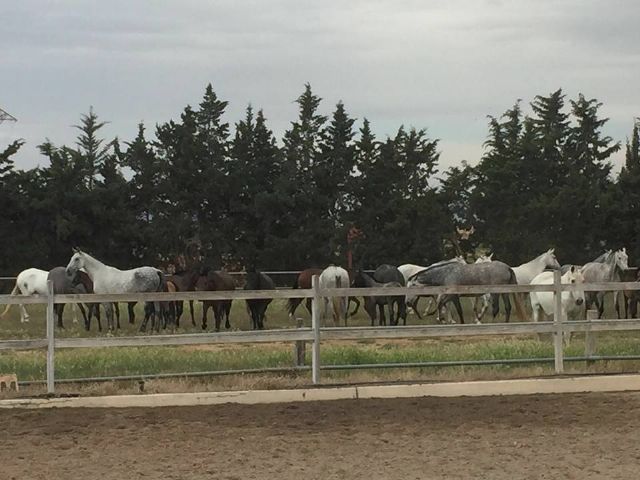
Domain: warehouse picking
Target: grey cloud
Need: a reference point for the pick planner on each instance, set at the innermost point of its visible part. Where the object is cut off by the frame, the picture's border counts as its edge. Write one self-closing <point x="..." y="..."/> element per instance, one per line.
<point x="443" y="65"/>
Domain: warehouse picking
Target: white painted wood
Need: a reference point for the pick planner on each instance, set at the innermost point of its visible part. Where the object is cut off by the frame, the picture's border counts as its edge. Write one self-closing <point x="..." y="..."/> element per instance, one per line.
<point x="538" y="386"/>
<point x="558" y="320"/>
<point x="315" y="326"/>
<point x="308" y="293"/>
<point x="23" y="344"/>
<point x="590" y="336"/>
<point x="50" y="339"/>
<point x="299" y="347"/>
<point x="284" y="335"/>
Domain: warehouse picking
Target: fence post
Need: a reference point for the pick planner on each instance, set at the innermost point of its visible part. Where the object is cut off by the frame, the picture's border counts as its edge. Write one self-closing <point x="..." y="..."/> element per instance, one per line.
<point x="50" y="339"/>
<point x="315" y="325"/>
<point x="590" y="337"/>
<point x="558" y="337"/>
<point x="300" y="347"/>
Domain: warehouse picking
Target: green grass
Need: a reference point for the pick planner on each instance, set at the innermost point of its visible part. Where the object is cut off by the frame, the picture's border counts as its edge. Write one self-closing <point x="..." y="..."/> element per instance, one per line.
<point x="97" y="362"/>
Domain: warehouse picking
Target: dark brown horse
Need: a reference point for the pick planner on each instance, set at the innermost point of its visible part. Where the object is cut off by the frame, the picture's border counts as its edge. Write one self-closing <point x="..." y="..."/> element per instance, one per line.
<point x="303" y="281"/>
<point x="83" y="284"/>
<point x="631" y="298"/>
<point x="256" y="280"/>
<point x="185" y="281"/>
<point x="216" y="281"/>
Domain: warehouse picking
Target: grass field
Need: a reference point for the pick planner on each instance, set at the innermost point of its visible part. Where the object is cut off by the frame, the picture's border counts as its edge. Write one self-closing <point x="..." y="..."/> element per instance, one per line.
<point x="99" y="362"/>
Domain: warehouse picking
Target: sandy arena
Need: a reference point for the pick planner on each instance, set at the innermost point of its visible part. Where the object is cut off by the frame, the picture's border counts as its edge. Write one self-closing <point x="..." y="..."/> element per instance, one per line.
<point x="517" y="437"/>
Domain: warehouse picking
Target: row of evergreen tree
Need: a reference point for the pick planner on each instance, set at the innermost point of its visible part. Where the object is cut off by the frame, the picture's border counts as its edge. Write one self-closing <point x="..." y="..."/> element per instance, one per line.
<point x="544" y="180"/>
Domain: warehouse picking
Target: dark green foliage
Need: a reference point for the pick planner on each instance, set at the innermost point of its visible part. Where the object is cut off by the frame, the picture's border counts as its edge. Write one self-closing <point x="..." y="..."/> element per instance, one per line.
<point x="544" y="181"/>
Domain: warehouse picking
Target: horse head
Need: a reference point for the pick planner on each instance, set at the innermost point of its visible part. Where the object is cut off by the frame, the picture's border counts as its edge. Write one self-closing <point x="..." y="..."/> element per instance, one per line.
<point x="550" y="260"/>
<point x="484" y="258"/>
<point x="76" y="263"/>
<point x="574" y="276"/>
<point x="621" y="259"/>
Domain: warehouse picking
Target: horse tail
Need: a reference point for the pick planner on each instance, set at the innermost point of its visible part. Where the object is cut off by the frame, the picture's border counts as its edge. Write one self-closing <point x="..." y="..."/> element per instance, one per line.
<point x="338" y="306"/>
<point x="162" y="282"/>
<point x="13" y="292"/>
<point x="435" y="303"/>
<point x="517" y="298"/>
<point x="291" y="302"/>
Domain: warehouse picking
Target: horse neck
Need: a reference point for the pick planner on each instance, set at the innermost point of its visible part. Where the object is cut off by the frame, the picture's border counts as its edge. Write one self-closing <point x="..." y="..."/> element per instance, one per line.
<point x="537" y="262"/>
<point x="94" y="267"/>
<point x="612" y="265"/>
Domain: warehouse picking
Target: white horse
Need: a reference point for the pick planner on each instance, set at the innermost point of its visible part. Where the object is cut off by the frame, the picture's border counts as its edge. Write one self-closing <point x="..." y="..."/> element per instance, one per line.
<point x="32" y="281"/>
<point x="335" y="277"/>
<point x="545" y="302"/>
<point x="526" y="272"/>
<point x="108" y="279"/>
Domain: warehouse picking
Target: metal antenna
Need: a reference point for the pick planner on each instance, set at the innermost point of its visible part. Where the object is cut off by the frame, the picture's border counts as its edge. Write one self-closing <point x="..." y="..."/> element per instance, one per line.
<point x="6" y="117"/>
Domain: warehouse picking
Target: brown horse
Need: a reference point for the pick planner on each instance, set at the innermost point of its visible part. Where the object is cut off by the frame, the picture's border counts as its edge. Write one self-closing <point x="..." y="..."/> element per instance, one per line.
<point x="216" y="281"/>
<point x="629" y="297"/>
<point x="83" y="284"/>
<point x="303" y="281"/>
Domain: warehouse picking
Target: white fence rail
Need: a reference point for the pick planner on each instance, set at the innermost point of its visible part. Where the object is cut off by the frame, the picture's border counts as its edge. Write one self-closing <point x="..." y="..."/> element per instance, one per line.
<point x="316" y="334"/>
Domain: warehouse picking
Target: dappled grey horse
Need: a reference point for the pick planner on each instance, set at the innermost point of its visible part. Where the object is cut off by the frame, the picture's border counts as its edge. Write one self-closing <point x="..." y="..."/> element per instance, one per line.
<point x="454" y="273"/>
<point x="108" y="279"/>
<point x="609" y="271"/>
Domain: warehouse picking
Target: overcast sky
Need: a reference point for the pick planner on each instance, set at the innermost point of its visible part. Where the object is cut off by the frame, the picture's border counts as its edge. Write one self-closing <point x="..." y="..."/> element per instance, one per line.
<point x="443" y="65"/>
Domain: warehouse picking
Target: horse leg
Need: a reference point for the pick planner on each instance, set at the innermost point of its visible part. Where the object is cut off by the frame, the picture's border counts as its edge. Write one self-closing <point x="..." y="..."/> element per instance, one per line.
<point x="483" y="309"/>
<point x="383" y="318"/>
<point x="600" y="303"/>
<point x="458" y="307"/>
<point x="357" y="302"/>
<point x="98" y="318"/>
<point x="58" y="309"/>
<point x="24" y="315"/>
<point x="158" y="313"/>
<point x="293" y="305"/>
<point x="132" y="312"/>
<point x="227" y="311"/>
<point x="217" y="312"/>
<point x="109" y="314"/>
<point x="507" y="306"/>
<point x="74" y="311"/>
<point x="392" y="312"/>
<point x="205" y="309"/>
<point x="179" y="306"/>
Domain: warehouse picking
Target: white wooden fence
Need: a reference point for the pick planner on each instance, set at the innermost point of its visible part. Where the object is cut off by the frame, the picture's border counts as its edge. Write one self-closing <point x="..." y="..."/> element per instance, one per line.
<point x="317" y="333"/>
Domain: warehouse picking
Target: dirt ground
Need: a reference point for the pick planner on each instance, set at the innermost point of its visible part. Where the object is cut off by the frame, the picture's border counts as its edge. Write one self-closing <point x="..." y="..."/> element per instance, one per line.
<point x="519" y="437"/>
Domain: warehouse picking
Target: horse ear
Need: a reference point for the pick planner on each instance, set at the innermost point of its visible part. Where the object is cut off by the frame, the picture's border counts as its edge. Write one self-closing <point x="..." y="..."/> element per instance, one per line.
<point x="490" y="257"/>
<point x="573" y="269"/>
<point x="75" y="249"/>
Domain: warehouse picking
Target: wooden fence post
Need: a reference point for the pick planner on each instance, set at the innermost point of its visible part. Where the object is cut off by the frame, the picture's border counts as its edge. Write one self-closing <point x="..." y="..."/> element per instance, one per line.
<point x="558" y="337"/>
<point x="590" y="337"/>
<point x="315" y="325"/>
<point x="299" y="348"/>
<point x="50" y="339"/>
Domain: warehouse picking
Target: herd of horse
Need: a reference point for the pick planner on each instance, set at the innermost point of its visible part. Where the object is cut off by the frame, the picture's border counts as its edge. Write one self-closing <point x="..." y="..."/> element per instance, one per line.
<point x="86" y="274"/>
